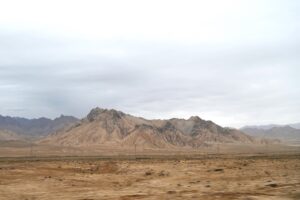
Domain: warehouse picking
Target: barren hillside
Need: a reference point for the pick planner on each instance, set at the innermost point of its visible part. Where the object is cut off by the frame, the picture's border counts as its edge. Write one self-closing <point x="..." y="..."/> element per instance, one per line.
<point x="115" y="128"/>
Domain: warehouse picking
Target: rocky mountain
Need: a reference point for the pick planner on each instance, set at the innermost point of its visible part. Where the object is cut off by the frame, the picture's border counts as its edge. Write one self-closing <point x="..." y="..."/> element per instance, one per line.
<point x="34" y="127"/>
<point x="110" y="127"/>
<point x="284" y="133"/>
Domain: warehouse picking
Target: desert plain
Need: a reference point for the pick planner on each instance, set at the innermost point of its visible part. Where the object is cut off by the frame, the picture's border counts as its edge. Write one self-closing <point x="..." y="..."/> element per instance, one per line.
<point x="258" y="176"/>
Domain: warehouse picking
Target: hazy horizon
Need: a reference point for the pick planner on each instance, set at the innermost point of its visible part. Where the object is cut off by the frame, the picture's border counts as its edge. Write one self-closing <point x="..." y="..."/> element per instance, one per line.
<point x="233" y="62"/>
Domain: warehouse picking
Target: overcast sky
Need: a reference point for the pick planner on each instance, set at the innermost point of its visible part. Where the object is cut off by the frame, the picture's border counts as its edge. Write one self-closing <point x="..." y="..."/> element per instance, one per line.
<point x="234" y="62"/>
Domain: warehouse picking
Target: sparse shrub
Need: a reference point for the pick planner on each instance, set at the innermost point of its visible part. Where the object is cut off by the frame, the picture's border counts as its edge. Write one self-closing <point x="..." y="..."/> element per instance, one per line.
<point x="272" y="185"/>
<point x="219" y="170"/>
<point x="149" y="173"/>
<point x="163" y="173"/>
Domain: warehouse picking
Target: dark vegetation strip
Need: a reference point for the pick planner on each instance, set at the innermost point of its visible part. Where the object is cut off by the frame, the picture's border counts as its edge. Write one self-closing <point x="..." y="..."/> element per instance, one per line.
<point x="151" y="157"/>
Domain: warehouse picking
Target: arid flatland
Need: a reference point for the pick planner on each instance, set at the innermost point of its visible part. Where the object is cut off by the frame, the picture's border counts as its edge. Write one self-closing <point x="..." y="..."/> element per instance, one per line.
<point x="247" y="177"/>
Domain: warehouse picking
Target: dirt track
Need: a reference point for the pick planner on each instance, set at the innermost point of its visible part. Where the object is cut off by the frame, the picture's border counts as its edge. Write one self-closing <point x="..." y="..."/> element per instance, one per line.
<point x="214" y="177"/>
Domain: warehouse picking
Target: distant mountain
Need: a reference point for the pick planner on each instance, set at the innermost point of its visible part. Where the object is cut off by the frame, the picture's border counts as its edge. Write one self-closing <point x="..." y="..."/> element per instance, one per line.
<point x="269" y="126"/>
<point x="115" y="128"/>
<point x="261" y="127"/>
<point x="35" y="127"/>
<point x="284" y="133"/>
<point x="296" y="125"/>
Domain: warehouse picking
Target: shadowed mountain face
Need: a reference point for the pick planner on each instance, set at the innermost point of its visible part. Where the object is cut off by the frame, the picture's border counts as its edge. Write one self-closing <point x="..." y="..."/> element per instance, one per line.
<point x="284" y="133"/>
<point x="34" y="127"/>
<point x="111" y="127"/>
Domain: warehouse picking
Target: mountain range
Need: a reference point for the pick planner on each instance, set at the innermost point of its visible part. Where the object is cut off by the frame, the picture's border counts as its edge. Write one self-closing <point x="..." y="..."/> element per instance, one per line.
<point x="284" y="133"/>
<point x="31" y="128"/>
<point x="269" y="126"/>
<point x="109" y="127"/>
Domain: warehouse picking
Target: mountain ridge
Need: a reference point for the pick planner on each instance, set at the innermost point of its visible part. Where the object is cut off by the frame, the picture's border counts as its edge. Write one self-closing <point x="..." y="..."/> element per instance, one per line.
<point x="112" y="127"/>
<point x="284" y="133"/>
<point x="269" y="126"/>
<point x="36" y="127"/>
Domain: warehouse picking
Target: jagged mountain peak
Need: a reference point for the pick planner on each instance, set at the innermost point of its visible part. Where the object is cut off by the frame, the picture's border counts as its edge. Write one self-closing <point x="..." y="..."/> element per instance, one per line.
<point x="107" y="114"/>
<point x="195" y="118"/>
<point x="65" y="117"/>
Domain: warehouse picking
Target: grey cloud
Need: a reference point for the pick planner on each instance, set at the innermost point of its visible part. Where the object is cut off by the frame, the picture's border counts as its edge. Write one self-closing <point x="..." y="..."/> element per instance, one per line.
<point x="47" y="76"/>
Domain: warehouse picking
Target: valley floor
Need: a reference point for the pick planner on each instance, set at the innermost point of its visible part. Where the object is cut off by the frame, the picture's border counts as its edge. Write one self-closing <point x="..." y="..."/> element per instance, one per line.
<point x="245" y="177"/>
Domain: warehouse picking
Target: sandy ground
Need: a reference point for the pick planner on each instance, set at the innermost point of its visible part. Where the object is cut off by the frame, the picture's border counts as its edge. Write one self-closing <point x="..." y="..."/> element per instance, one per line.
<point x="19" y="149"/>
<point x="203" y="177"/>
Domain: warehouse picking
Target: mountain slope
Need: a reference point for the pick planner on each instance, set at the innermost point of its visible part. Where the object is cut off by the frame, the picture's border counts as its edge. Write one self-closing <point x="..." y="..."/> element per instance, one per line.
<point x="6" y="135"/>
<point x="35" y="127"/>
<point x="115" y="128"/>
